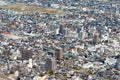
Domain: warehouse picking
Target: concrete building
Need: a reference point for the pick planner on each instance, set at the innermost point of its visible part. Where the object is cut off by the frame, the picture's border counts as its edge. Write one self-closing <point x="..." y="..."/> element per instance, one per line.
<point x="50" y="64"/>
<point x="96" y="38"/>
<point x="55" y="5"/>
<point x="118" y="62"/>
<point x="81" y="33"/>
<point x="61" y="30"/>
<point x="59" y="54"/>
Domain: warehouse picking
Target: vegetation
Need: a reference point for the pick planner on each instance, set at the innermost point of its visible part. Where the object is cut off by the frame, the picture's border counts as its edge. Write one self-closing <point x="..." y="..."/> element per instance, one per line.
<point x="30" y="9"/>
<point x="51" y="72"/>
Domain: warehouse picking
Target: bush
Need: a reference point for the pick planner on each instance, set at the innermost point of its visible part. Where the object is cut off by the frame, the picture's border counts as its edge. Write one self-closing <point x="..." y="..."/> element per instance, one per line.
<point x="51" y="72"/>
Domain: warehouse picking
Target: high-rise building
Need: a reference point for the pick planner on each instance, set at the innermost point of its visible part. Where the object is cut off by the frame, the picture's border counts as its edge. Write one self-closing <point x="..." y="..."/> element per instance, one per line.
<point x="53" y="27"/>
<point x="118" y="62"/>
<point x="61" y="29"/>
<point x="30" y="65"/>
<point x="66" y="32"/>
<point x="96" y="38"/>
<point x="50" y="64"/>
<point x="26" y="54"/>
<point x="40" y="54"/>
<point x="81" y="33"/>
<point x="57" y="31"/>
<point x="59" y="53"/>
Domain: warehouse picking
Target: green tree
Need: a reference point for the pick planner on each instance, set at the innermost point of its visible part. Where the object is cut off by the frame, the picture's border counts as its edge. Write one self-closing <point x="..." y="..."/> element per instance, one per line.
<point x="51" y="72"/>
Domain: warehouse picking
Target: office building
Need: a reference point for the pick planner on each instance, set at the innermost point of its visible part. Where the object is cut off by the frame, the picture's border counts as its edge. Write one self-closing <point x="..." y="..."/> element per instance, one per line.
<point x="96" y="38"/>
<point x="50" y="64"/>
<point x="81" y="33"/>
<point x="59" y="54"/>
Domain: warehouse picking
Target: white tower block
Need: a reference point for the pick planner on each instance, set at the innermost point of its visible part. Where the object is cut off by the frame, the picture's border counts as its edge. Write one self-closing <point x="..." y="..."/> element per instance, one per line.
<point x="30" y="65"/>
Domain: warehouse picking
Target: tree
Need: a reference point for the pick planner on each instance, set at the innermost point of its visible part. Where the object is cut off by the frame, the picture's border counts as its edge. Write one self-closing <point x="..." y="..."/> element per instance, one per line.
<point x="51" y="72"/>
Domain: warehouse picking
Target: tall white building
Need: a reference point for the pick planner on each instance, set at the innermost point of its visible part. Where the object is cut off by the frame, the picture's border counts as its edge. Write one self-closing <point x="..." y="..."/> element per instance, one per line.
<point x="81" y="33"/>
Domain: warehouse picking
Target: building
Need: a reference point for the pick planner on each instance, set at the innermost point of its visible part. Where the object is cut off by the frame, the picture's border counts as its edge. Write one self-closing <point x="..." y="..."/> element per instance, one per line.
<point x="53" y="27"/>
<point x="51" y="53"/>
<point x="59" y="53"/>
<point x="50" y="64"/>
<point x="96" y="38"/>
<point x="69" y="63"/>
<point x="55" y="5"/>
<point x="2" y="3"/>
<point x="81" y="33"/>
<point x="118" y="62"/>
<point x="27" y="55"/>
<point x="61" y="30"/>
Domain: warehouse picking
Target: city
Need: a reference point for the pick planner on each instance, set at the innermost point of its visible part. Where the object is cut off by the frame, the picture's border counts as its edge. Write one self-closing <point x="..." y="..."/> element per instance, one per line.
<point x="59" y="40"/>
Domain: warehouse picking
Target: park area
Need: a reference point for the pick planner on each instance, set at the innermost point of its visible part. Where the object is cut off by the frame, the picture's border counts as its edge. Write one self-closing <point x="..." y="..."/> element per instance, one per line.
<point x="30" y="9"/>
